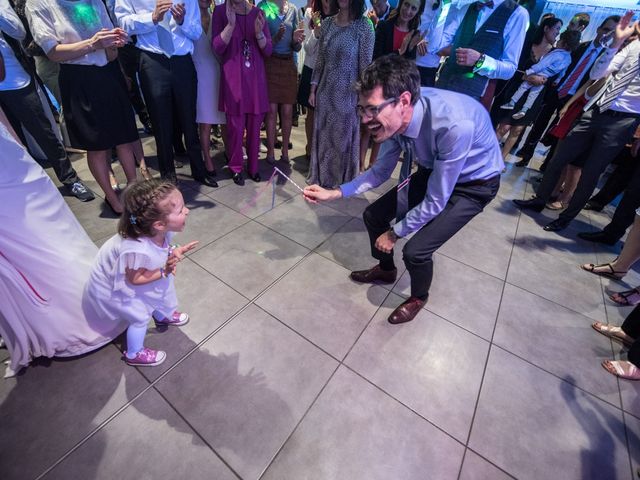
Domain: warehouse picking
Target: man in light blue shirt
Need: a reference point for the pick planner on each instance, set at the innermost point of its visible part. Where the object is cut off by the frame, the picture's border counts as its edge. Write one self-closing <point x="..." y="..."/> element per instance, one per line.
<point x="451" y="140"/>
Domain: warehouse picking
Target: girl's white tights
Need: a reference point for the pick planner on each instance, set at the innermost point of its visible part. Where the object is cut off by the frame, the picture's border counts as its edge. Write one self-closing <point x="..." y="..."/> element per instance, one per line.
<point x="135" y="339"/>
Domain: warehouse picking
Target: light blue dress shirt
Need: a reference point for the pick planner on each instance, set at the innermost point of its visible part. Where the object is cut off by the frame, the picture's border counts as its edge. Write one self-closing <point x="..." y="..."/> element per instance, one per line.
<point x="453" y="136"/>
<point x="134" y="17"/>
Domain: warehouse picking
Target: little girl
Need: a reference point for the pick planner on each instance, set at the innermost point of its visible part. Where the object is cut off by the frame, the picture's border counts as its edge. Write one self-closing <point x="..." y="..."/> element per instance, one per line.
<point x="132" y="278"/>
<point x="552" y="64"/>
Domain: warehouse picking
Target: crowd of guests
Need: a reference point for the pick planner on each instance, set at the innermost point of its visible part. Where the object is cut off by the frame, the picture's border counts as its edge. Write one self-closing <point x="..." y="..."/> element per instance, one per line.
<point x="188" y="68"/>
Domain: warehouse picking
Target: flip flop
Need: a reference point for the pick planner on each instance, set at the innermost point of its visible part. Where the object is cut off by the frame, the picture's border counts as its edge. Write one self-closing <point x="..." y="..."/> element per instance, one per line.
<point x="612" y="332"/>
<point x="612" y="274"/>
<point x="633" y="372"/>
<point x="626" y="298"/>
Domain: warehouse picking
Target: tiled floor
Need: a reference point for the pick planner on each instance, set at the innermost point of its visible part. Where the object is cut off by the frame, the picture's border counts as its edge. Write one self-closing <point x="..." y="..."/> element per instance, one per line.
<point x="288" y="370"/>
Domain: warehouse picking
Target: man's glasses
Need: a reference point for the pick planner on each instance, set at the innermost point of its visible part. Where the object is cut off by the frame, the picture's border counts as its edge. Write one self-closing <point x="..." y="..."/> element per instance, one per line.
<point x="372" y="111"/>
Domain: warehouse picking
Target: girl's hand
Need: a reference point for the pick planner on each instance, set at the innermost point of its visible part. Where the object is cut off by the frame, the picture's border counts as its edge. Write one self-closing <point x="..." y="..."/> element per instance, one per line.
<point x="298" y="34"/>
<point x="422" y="44"/>
<point x="179" y="252"/>
<point x="259" y="25"/>
<point x="106" y="38"/>
<point x="279" y="34"/>
<point x="405" y="43"/>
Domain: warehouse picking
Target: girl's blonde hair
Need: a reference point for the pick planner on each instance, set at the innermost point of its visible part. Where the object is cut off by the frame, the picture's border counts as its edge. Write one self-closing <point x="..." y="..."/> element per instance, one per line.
<point x="141" y="207"/>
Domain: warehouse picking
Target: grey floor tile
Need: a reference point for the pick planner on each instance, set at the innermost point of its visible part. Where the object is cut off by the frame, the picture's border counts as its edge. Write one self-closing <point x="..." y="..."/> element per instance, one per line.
<point x="461" y="294"/>
<point x="355" y="431"/>
<point x="629" y="390"/>
<point x="429" y="364"/>
<point x="557" y="280"/>
<point x="318" y="300"/>
<point x="209" y="303"/>
<point x="523" y="410"/>
<point x="54" y="404"/>
<point x="148" y="440"/>
<point x="304" y="223"/>
<point x="246" y="388"/>
<point x="350" y="247"/>
<point x="513" y="183"/>
<point x="556" y="339"/>
<point x="208" y="220"/>
<point x="564" y="244"/>
<point x="633" y="434"/>
<point x="475" y="467"/>
<point x="355" y="205"/>
<point x="485" y="251"/>
<point x="253" y="199"/>
<point x="249" y="258"/>
<point x="97" y="221"/>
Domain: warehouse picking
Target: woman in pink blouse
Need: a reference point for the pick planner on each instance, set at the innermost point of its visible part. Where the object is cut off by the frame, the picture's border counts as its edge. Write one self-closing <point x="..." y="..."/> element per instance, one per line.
<point x="241" y="40"/>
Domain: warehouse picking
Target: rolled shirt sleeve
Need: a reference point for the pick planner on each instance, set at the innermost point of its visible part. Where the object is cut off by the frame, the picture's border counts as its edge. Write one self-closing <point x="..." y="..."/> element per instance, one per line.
<point x="379" y="173"/>
<point x="610" y="61"/>
<point x="454" y="144"/>
<point x="514" y="33"/>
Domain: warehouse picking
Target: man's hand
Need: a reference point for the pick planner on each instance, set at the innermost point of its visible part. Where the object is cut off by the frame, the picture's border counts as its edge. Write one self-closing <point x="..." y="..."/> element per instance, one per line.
<point x="535" y="79"/>
<point x="467" y="57"/>
<point x="178" y="11"/>
<point x="315" y="194"/>
<point x="162" y="7"/>
<point x="386" y="241"/>
<point x="624" y="29"/>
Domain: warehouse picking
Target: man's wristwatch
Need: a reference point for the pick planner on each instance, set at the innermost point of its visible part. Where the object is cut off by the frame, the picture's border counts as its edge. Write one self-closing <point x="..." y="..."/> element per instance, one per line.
<point x="393" y="234"/>
<point x="480" y="61"/>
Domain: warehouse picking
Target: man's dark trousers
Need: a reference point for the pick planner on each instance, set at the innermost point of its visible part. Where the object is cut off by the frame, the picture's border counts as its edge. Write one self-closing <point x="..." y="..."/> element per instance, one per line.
<point x="465" y="203"/>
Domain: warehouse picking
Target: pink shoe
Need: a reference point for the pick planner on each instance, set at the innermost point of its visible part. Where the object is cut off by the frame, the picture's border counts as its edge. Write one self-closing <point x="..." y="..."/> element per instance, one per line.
<point x="177" y="319"/>
<point x="146" y="358"/>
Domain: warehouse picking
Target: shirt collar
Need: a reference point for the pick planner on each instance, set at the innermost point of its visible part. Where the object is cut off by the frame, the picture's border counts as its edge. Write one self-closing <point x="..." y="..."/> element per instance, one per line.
<point x="413" y="129"/>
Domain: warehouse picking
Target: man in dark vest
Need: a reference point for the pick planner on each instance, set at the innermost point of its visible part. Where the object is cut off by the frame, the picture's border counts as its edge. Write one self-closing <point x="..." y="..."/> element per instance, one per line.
<point x="557" y="95"/>
<point x="483" y="41"/>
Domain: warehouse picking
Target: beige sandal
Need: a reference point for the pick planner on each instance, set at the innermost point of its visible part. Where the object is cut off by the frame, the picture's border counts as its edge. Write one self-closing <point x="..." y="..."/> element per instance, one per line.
<point x="612" y="274"/>
<point x="612" y="332"/>
<point x="622" y="369"/>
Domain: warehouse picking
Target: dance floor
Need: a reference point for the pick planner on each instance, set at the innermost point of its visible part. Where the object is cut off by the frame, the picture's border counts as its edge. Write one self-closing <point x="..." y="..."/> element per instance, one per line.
<point x="288" y="370"/>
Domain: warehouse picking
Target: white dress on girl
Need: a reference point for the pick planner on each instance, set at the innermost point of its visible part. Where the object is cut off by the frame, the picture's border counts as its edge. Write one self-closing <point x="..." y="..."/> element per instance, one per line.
<point x="45" y="260"/>
<point x="112" y="298"/>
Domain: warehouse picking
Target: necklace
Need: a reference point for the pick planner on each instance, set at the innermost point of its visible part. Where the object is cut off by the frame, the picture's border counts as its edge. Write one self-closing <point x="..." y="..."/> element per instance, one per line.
<point x="246" y="48"/>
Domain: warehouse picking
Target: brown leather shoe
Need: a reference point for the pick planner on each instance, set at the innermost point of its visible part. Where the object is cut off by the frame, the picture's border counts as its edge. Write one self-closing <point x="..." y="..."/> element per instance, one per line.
<point x="406" y="311"/>
<point x="375" y="275"/>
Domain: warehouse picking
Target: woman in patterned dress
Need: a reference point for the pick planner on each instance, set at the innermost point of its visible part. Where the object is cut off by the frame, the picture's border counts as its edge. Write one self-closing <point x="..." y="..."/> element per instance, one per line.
<point x="346" y="49"/>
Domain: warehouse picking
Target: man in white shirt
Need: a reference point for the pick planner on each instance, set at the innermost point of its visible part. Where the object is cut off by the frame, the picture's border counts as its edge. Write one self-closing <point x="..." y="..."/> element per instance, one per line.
<point x="603" y="130"/>
<point x="432" y="25"/>
<point x="22" y="104"/>
<point x="557" y="95"/>
<point x="165" y="36"/>
<point x="483" y="41"/>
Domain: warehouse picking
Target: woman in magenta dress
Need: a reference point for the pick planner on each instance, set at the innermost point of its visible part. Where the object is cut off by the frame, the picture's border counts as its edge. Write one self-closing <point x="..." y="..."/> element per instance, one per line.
<point x="241" y="40"/>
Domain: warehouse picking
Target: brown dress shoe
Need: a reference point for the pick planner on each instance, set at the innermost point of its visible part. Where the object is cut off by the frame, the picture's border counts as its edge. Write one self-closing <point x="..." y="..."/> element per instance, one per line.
<point x="406" y="311"/>
<point x="375" y="275"/>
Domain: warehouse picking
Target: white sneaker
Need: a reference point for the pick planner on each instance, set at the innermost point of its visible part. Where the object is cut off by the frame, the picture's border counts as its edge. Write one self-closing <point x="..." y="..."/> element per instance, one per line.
<point x="508" y="106"/>
<point x="519" y="115"/>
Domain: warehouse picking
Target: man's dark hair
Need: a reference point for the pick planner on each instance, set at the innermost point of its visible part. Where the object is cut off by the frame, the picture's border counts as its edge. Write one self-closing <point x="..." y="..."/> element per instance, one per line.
<point x="395" y="74"/>
<point x="571" y="39"/>
<point x="615" y="18"/>
<point x="548" y="22"/>
<point x="583" y="19"/>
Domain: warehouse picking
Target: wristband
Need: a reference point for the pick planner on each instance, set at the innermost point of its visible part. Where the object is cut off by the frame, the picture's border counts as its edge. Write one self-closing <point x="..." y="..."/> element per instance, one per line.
<point x="162" y="273"/>
<point x="480" y="61"/>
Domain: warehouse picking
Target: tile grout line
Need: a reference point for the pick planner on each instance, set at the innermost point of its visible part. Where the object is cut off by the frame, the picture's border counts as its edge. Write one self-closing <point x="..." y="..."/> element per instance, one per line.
<point x="495" y="324"/>
<point x="196" y="432"/>
<point x="165" y="373"/>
